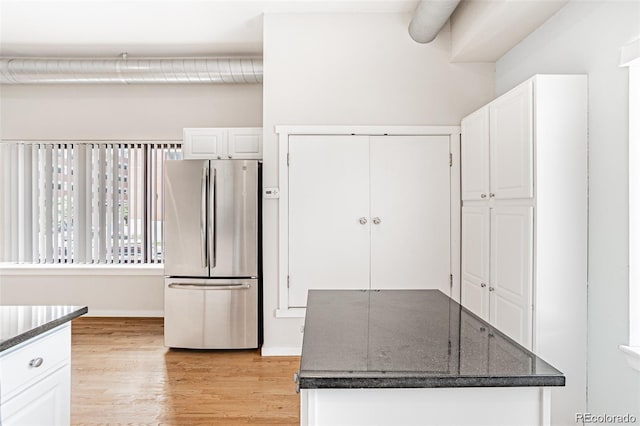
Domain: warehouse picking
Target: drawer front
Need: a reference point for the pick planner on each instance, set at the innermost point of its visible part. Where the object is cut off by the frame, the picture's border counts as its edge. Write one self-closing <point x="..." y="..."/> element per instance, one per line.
<point x="34" y="359"/>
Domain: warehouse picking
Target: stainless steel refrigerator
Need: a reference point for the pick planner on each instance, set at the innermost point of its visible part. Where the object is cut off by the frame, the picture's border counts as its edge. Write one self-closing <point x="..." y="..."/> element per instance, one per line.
<point x="211" y="246"/>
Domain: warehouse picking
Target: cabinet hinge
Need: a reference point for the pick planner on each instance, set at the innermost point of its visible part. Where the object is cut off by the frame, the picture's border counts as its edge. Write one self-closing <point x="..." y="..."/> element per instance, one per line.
<point x="450" y="280"/>
<point x="450" y="159"/>
<point x="288" y="159"/>
<point x="288" y="280"/>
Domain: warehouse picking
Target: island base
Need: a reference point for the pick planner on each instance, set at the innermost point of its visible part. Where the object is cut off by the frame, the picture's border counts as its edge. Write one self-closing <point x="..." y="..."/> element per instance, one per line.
<point x="491" y="406"/>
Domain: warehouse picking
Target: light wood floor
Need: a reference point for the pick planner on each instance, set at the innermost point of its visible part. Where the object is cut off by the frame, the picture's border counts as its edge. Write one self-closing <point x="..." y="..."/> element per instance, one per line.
<point x="122" y="374"/>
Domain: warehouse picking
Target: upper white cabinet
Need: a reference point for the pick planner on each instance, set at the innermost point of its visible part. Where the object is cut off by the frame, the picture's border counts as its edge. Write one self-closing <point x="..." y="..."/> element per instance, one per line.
<point x="368" y="212"/>
<point x="497" y="148"/>
<point x="242" y="143"/>
<point x="524" y="235"/>
<point x="475" y="155"/>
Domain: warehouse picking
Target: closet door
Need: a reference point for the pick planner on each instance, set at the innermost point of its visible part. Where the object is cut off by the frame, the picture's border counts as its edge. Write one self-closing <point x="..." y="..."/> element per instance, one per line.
<point x="410" y="212"/>
<point x="475" y="260"/>
<point x="510" y="287"/>
<point x="328" y="214"/>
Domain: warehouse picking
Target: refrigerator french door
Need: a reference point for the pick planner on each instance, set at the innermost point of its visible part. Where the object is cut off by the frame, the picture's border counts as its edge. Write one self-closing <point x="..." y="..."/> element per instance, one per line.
<point x="211" y="254"/>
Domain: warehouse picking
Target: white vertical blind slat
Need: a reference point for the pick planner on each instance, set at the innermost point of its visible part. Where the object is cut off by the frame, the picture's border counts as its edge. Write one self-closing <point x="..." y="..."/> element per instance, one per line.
<point x="35" y="197"/>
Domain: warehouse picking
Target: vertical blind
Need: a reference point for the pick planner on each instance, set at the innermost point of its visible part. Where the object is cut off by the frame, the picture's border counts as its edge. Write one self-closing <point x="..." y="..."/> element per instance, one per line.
<point x="82" y="202"/>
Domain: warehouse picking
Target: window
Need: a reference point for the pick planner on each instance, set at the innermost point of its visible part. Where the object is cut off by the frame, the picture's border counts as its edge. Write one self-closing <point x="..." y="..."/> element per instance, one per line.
<point x="82" y="202"/>
<point x="630" y="57"/>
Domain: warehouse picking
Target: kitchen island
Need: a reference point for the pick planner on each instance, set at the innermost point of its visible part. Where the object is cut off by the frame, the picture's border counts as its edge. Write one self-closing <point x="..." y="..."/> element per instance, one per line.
<point x="414" y="357"/>
<point x="35" y="364"/>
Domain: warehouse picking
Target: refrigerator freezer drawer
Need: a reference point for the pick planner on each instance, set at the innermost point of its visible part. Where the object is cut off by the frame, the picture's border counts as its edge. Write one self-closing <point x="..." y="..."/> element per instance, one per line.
<point x="211" y="314"/>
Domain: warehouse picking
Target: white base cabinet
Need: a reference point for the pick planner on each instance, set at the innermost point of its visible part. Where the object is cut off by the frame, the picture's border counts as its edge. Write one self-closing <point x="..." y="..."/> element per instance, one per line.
<point x="495" y="406"/>
<point x="35" y="381"/>
<point x="524" y="224"/>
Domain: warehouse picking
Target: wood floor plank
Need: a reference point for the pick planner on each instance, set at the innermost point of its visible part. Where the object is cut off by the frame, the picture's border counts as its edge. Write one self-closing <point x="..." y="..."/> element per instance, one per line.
<point x="123" y="375"/>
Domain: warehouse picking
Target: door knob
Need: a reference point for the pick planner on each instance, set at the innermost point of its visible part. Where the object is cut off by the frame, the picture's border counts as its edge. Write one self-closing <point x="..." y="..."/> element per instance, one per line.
<point x="376" y="221"/>
<point x="363" y="221"/>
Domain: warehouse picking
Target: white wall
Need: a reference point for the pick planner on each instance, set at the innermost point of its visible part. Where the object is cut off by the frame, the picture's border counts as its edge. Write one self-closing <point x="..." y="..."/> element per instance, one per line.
<point x="94" y="112"/>
<point x="124" y="112"/>
<point x="351" y="70"/>
<point x="585" y="37"/>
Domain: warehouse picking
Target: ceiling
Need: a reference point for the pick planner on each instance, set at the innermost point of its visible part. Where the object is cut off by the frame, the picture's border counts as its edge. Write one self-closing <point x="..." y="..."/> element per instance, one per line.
<point x="106" y="28"/>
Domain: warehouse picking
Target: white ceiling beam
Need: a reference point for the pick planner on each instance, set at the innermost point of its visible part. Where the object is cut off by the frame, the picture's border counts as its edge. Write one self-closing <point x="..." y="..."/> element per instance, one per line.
<point x="484" y="30"/>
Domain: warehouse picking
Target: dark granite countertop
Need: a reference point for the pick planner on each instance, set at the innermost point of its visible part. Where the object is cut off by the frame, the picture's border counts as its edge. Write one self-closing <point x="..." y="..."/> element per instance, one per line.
<point x="21" y="323"/>
<point x="409" y="339"/>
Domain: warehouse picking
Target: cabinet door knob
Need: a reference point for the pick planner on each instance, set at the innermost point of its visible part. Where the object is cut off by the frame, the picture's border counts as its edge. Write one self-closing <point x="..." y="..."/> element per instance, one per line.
<point x="491" y="289"/>
<point x="376" y="221"/>
<point x="483" y="285"/>
<point x="492" y="195"/>
<point x="230" y="156"/>
<point x="483" y="195"/>
<point x="363" y="221"/>
<point x="36" y="362"/>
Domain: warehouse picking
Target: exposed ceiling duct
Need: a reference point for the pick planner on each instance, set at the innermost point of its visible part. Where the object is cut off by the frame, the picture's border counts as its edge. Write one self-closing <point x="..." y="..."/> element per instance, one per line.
<point x="429" y="18"/>
<point x="130" y="71"/>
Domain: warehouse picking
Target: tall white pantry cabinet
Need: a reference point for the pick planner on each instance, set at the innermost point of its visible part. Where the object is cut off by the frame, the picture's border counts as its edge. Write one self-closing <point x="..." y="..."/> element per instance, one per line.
<point x="524" y="224"/>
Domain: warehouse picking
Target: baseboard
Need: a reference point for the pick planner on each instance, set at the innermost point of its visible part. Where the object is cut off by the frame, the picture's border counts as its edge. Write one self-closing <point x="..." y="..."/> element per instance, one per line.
<point x="125" y="313"/>
<point x="280" y="351"/>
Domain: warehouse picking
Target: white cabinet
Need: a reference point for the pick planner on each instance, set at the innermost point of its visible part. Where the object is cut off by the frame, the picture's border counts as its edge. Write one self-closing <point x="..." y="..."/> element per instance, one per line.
<point x="497" y="159"/>
<point x="475" y="259"/>
<point x="221" y="143"/>
<point x="475" y="155"/>
<point x="524" y="243"/>
<point x="496" y="267"/>
<point x="36" y="380"/>
<point x="368" y="212"/>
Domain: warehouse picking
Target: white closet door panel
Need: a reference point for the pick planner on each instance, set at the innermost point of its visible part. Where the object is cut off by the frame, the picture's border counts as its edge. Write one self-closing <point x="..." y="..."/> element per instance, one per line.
<point x="410" y="197"/>
<point x="328" y="194"/>
<point x="511" y="272"/>
<point x="475" y="155"/>
<point x="511" y="143"/>
<point x="475" y="260"/>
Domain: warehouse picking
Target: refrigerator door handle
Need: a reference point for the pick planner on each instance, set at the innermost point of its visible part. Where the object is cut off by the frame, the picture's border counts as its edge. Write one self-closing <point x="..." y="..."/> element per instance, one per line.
<point x="210" y="287"/>
<point x="203" y="215"/>
<point x="213" y="231"/>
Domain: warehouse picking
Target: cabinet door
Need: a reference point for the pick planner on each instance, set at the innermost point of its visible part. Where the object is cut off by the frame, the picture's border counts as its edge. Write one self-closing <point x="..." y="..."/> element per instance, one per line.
<point x="511" y="143"/>
<point x="475" y="260"/>
<point x="410" y="212"/>
<point x="204" y="143"/>
<point x="245" y="143"/>
<point x="328" y="214"/>
<point x="475" y="155"/>
<point x="510" y="294"/>
<point x="47" y="402"/>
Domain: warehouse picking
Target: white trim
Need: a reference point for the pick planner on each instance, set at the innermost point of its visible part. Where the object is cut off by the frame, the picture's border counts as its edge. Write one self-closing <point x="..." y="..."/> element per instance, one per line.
<point x="291" y="313"/>
<point x="631" y="57"/>
<point x="632" y="354"/>
<point x="125" y="313"/>
<point x="10" y="269"/>
<point x="367" y="130"/>
<point x="280" y="351"/>
<point x="630" y="53"/>
<point x="283" y="310"/>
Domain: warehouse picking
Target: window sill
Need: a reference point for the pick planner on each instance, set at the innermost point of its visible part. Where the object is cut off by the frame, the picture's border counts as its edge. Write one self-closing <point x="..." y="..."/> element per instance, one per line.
<point x="12" y="269"/>
<point x="632" y="353"/>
